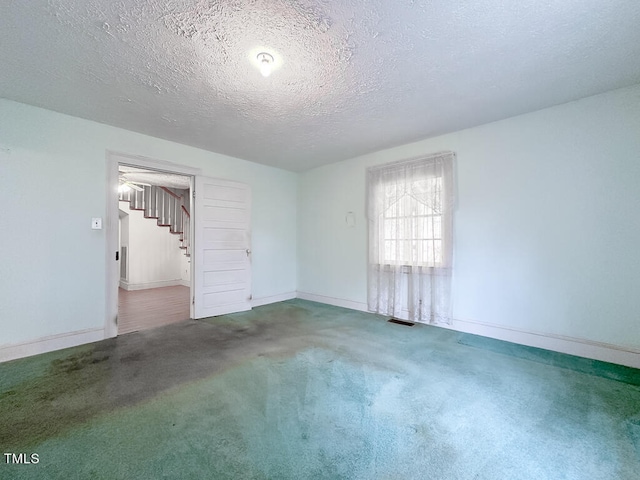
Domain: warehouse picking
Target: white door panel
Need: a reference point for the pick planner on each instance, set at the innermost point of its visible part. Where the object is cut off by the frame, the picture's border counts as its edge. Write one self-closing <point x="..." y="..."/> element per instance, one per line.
<point x="225" y="193"/>
<point x="224" y="215"/>
<point x="229" y="277"/>
<point x="217" y="256"/>
<point x="223" y="300"/>
<point x="233" y="237"/>
<point x="222" y="263"/>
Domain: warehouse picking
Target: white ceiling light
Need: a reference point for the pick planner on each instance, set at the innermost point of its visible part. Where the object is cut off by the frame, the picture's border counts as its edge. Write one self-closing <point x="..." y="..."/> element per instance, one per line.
<point x="266" y="63"/>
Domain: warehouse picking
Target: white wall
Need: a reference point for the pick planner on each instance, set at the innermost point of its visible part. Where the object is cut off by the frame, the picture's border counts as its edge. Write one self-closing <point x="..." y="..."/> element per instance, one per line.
<point x="53" y="181"/>
<point x="185" y="270"/>
<point x="547" y="226"/>
<point x="154" y="257"/>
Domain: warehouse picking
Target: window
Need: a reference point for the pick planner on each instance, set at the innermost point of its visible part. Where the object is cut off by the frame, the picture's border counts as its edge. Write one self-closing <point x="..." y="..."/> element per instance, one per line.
<point x="410" y="210"/>
<point x="410" y="213"/>
<point x="411" y="226"/>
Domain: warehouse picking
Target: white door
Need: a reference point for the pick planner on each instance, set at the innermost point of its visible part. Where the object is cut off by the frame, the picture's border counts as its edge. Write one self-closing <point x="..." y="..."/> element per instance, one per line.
<point x="222" y="247"/>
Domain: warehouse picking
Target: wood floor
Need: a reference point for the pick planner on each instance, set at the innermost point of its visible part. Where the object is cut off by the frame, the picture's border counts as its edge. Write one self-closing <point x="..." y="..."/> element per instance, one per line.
<point x="144" y="309"/>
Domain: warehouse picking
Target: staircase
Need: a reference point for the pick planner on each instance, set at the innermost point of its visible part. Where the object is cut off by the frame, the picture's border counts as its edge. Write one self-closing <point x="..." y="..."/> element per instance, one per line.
<point x="165" y="205"/>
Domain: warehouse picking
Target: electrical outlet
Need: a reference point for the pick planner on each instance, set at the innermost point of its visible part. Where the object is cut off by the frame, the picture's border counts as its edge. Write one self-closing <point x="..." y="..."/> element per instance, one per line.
<point x="96" y="223"/>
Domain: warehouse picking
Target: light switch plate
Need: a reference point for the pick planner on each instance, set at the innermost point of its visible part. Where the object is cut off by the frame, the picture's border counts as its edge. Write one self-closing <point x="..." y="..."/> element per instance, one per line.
<point x="96" y="223"/>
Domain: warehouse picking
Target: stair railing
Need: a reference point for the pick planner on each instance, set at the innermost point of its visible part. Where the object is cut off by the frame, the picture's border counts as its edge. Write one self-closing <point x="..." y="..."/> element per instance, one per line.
<point x="166" y="207"/>
<point x="185" y="237"/>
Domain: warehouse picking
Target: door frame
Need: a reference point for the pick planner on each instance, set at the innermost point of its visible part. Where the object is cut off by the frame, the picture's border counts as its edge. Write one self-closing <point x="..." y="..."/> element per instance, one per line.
<point x="113" y="159"/>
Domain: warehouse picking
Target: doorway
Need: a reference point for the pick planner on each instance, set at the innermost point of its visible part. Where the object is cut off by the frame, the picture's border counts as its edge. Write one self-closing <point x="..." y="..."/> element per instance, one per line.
<point x="220" y="230"/>
<point x="154" y="212"/>
<point x="149" y="236"/>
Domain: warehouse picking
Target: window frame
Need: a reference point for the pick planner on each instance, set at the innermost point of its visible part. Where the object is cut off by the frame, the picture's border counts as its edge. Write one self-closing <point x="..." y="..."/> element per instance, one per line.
<point x="426" y="171"/>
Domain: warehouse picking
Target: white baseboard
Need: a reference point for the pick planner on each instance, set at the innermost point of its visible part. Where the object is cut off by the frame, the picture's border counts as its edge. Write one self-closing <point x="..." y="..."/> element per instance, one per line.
<point x="257" y="302"/>
<point x="337" y="302"/>
<point x="50" y="343"/>
<point x="144" y="286"/>
<point x="185" y="283"/>
<point x="605" y="352"/>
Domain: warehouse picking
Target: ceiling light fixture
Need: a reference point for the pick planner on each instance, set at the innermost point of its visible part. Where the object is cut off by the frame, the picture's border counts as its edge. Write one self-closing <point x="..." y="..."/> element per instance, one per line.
<point x="266" y="63"/>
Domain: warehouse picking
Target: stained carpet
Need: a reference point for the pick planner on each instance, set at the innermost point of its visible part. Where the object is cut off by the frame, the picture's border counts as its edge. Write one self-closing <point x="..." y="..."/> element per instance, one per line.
<point x="303" y="390"/>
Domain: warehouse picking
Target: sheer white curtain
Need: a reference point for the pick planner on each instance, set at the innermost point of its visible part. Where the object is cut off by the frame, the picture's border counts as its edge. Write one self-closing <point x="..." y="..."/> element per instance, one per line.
<point x="409" y="208"/>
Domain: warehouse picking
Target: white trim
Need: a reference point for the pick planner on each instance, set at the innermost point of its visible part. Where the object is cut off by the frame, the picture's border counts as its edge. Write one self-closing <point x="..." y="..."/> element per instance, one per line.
<point x="50" y="343"/>
<point x="152" y="163"/>
<point x="144" y="286"/>
<point x="111" y="246"/>
<point x="338" y="302"/>
<point x="605" y="352"/>
<point x="281" y="297"/>
<point x="581" y="347"/>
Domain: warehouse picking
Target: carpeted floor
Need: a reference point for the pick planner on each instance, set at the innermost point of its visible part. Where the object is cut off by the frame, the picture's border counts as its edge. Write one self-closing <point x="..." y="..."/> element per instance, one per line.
<point x="303" y="390"/>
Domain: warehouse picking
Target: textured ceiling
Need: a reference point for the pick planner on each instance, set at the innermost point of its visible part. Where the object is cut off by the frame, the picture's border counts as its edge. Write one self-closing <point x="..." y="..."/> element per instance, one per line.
<point x="153" y="177"/>
<point x="350" y="76"/>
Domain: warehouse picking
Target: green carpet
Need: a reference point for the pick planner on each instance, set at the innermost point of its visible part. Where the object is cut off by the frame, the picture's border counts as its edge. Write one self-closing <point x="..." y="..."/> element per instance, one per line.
<point x="579" y="364"/>
<point x="303" y="390"/>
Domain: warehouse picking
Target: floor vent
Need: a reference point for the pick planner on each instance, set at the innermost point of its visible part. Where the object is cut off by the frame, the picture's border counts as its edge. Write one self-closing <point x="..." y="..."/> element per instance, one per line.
<point x="401" y="322"/>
